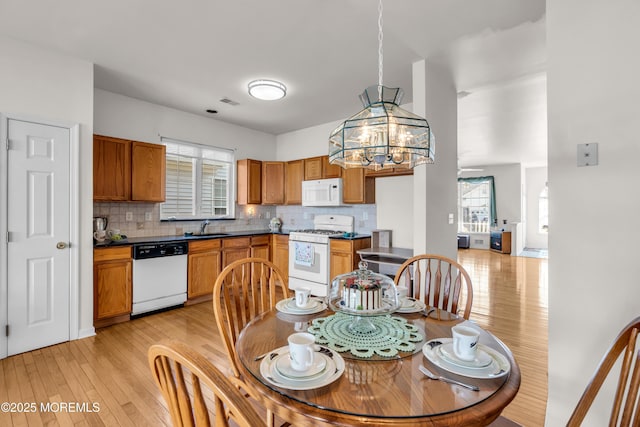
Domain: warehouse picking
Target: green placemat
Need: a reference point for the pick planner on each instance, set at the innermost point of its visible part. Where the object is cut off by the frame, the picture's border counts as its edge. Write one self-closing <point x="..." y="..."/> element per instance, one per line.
<point x="388" y="336"/>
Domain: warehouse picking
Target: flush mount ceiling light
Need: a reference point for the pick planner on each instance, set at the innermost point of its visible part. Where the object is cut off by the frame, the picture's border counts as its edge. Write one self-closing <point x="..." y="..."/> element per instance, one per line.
<point x="267" y="90"/>
<point x="383" y="133"/>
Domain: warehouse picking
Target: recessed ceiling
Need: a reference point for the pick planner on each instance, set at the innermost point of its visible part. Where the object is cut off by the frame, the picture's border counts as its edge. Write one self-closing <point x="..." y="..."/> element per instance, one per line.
<point x="191" y="55"/>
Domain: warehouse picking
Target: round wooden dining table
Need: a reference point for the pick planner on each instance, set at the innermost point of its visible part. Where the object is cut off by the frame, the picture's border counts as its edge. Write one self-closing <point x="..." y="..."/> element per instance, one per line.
<point x="377" y="391"/>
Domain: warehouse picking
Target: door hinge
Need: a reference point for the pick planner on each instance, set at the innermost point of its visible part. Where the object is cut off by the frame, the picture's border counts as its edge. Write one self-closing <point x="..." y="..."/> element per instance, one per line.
<point x="6" y="330"/>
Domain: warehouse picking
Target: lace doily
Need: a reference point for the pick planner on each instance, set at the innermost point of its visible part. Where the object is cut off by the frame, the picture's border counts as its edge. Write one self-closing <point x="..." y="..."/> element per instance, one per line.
<point x="390" y="335"/>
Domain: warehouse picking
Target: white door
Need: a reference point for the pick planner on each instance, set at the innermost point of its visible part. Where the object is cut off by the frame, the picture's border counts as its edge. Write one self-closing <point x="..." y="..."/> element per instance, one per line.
<point x="38" y="227"/>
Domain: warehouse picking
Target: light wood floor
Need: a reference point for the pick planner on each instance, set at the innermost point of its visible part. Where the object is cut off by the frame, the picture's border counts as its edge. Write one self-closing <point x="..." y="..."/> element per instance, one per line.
<point x="111" y="370"/>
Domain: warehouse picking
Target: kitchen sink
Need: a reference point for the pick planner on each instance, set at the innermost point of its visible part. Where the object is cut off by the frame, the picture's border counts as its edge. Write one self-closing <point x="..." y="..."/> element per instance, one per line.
<point x="205" y="235"/>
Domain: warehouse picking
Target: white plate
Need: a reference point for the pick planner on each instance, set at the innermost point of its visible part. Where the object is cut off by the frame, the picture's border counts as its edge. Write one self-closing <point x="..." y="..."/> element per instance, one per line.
<point x="333" y="371"/>
<point x="498" y="367"/>
<point x="283" y="365"/>
<point x="482" y="359"/>
<point x="288" y="306"/>
<point x="311" y="304"/>
<point x="410" y="305"/>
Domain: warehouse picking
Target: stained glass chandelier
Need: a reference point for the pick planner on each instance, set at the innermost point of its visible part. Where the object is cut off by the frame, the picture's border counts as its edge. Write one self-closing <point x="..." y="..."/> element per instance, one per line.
<point x="383" y="134"/>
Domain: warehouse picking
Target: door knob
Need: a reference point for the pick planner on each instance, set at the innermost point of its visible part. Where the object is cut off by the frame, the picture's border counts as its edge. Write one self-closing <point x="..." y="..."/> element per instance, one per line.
<point x="61" y="245"/>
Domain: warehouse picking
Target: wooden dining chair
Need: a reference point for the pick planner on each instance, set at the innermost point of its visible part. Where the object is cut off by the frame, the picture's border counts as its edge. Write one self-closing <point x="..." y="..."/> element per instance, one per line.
<point x="437" y="281"/>
<point x="172" y="363"/>
<point x="626" y="397"/>
<point x="243" y="290"/>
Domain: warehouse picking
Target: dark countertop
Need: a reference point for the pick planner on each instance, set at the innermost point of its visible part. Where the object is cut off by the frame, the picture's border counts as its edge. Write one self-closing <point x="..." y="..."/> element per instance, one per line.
<point x="182" y="238"/>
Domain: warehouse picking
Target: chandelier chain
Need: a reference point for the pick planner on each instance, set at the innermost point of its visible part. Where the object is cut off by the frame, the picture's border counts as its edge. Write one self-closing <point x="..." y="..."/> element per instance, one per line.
<point x="380" y="50"/>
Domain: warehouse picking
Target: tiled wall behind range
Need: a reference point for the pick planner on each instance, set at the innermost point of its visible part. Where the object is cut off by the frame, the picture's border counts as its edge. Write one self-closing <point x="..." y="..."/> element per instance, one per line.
<point x="145" y="219"/>
<point x="301" y="217"/>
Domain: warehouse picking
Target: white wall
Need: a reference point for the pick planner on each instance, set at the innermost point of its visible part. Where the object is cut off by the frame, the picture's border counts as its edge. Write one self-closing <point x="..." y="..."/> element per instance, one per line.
<point x="394" y="202"/>
<point x="120" y="116"/>
<point x="309" y="142"/>
<point x="594" y="290"/>
<point x="41" y="84"/>
<point x="536" y="180"/>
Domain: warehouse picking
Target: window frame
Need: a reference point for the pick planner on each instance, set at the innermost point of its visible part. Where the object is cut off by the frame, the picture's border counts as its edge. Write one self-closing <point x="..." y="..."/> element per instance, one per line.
<point x="202" y="153"/>
<point x="482" y="229"/>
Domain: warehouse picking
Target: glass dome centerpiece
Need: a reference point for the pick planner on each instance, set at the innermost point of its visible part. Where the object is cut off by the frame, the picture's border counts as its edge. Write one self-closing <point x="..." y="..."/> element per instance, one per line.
<point x="363" y="293"/>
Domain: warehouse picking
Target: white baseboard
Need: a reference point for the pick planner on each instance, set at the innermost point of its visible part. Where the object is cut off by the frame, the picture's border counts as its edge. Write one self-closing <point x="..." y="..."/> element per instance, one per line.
<point x="86" y="333"/>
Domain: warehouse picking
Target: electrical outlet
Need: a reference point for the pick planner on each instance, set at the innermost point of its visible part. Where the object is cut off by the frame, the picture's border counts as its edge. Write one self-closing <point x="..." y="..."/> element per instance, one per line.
<point x="147" y="216"/>
<point x="365" y="216"/>
<point x="450" y="218"/>
<point x="129" y="216"/>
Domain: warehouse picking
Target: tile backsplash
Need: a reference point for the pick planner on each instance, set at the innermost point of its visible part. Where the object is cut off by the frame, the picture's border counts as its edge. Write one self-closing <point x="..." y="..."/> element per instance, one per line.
<point x="143" y="219"/>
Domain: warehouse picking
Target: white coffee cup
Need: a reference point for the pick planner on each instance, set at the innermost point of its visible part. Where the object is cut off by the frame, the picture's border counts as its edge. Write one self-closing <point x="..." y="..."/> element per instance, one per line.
<point x="302" y="297"/>
<point x="402" y="292"/>
<point x="100" y="235"/>
<point x="465" y="342"/>
<point x="301" y="350"/>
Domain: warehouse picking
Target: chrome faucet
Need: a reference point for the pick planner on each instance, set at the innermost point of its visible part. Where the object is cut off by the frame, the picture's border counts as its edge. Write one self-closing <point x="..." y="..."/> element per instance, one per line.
<point x="203" y="225"/>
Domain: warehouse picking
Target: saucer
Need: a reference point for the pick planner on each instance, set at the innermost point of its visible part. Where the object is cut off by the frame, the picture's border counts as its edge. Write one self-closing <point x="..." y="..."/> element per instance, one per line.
<point x="284" y="368"/>
<point x="482" y="359"/>
<point x="288" y="306"/>
<point x="498" y="367"/>
<point x="410" y="305"/>
<point x="313" y="303"/>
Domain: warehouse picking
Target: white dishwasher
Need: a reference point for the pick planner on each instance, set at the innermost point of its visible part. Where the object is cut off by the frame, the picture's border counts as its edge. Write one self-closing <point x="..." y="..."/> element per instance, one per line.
<point x="159" y="276"/>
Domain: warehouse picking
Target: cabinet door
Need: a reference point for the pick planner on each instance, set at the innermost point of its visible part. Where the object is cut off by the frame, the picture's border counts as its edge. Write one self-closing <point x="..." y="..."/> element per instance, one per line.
<point x="329" y="170"/>
<point x="249" y="182"/>
<point x="356" y="188"/>
<point x="203" y="271"/>
<point x="112" y="288"/>
<point x="313" y="168"/>
<point x="111" y="168"/>
<point x="148" y="166"/>
<point x="272" y="183"/>
<point x="280" y="254"/>
<point x="260" y="252"/>
<point x="293" y="177"/>
<point x="341" y="263"/>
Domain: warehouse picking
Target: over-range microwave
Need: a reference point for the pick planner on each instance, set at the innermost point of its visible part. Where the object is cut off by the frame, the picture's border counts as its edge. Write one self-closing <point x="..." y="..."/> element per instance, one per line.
<point x="322" y="192"/>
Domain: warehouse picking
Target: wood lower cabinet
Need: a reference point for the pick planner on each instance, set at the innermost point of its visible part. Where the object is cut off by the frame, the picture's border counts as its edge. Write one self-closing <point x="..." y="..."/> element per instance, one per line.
<point x="261" y="246"/>
<point x="343" y="257"/>
<point x="235" y="248"/>
<point x="249" y="182"/>
<point x="272" y="183"/>
<point x="357" y="188"/>
<point x="112" y="275"/>
<point x="204" y="265"/>
<point x="280" y="253"/>
<point x="293" y="177"/>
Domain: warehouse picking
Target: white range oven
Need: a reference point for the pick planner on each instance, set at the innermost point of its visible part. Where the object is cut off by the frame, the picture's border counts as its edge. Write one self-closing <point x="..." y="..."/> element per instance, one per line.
<point x="309" y="252"/>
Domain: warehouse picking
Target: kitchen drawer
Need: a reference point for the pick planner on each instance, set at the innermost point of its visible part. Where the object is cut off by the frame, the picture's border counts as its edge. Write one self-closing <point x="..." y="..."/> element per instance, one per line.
<point x="260" y="240"/>
<point x="341" y="246"/>
<point x="109" y="254"/>
<point x="204" y="245"/>
<point x="236" y="242"/>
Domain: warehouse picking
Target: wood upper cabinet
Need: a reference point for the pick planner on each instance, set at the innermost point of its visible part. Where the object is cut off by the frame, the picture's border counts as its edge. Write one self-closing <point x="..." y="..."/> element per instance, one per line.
<point x="280" y="253"/>
<point x="148" y="172"/>
<point x="329" y="170"/>
<point x="125" y="170"/>
<point x="357" y="187"/>
<point x="389" y="171"/>
<point x="204" y="265"/>
<point x="293" y="177"/>
<point x="312" y="168"/>
<point x="320" y="168"/>
<point x="112" y="275"/>
<point x="272" y="183"/>
<point x="111" y="168"/>
<point x="343" y="256"/>
<point x="249" y="182"/>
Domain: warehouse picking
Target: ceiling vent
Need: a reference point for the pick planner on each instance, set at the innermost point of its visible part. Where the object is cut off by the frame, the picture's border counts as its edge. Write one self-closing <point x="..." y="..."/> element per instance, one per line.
<point x="229" y="101"/>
